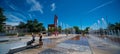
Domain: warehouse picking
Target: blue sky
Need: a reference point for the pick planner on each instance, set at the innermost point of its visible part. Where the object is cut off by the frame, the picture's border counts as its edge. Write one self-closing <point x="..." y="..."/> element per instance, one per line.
<point x="69" y="12"/>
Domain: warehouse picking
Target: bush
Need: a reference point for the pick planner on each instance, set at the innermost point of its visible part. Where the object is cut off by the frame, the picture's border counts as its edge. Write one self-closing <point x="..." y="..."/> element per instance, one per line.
<point x="10" y="34"/>
<point x="21" y="34"/>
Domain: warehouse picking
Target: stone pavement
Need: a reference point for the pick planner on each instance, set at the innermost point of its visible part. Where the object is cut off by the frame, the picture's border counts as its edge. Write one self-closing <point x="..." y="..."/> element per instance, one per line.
<point x="79" y="46"/>
<point x="64" y="45"/>
<point x="14" y="42"/>
<point x="14" y="38"/>
<point x="47" y="43"/>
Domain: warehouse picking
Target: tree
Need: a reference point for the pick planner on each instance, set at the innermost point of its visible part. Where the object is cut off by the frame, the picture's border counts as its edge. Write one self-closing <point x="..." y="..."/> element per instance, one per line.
<point x="2" y="20"/>
<point x="32" y="26"/>
<point x="115" y="26"/>
<point x="29" y="25"/>
<point x="22" y="25"/>
<point x="86" y="29"/>
<point x="43" y="28"/>
<point x="111" y="26"/>
<point x="59" y="29"/>
<point x="40" y="27"/>
<point x="35" y="25"/>
<point x="77" y="30"/>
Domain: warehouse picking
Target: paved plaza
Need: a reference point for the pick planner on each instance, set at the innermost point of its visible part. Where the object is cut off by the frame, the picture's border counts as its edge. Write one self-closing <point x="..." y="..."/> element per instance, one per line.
<point x="62" y="44"/>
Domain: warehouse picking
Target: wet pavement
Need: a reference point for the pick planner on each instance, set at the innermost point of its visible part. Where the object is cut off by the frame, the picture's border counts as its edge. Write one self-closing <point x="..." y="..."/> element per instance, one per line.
<point x="16" y="42"/>
<point x="47" y="44"/>
<point x="64" y="45"/>
<point x="73" y="44"/>
<point x="76" y="45"/>
<point x="100" y="46"/>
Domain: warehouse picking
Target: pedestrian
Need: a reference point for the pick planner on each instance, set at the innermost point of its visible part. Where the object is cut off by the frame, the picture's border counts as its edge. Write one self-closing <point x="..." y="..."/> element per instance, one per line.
<point x="40" y="40"/>
<point x="31" y="41"/>
<point x="33" y="37"/>
<point x="40" y="37"/>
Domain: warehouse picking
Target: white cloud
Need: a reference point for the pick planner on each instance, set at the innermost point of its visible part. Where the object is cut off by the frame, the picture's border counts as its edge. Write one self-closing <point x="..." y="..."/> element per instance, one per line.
<point x="36" y="6"/>
<point x="30" y="16"/>
<point x="12" y="7"/>
<point x="53" y="6"/>
<point x="12" y="17"/>
<point x="12" y="23"/>
<point x="13" y="20"/>
<point x="20" y="15"/>
<point x="17" y="14"/>
<point x="107" y="3"/>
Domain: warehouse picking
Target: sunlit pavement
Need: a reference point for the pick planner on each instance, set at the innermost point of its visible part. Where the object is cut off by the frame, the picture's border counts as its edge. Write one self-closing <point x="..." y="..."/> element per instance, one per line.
<point x="63" y="44"/>
<point x="47" y="44"/>
<point x="76" y="45"/>
<point x="100" y="46"/>
<point x="13" y="42"/>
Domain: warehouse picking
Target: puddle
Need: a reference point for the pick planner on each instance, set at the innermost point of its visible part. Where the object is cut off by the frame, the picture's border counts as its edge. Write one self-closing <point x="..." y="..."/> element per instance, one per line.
<point x="78" y="40"/>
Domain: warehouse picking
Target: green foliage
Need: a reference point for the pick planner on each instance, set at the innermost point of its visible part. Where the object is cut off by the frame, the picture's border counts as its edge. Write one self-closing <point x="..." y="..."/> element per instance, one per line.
<point x="22" y="25"/>
<point x="10" y="34"/>
<point x="86" y="30"/>
<point x="77" y="30"/>
<point x="21" y="34"/>
<point x="59" y="29"/>
<point x="32" y="26"/>
<point x="2" y="19"/>
<point x="52" y="29"/>
<point x="115" y="26"/>
<point x="43" y="28"/>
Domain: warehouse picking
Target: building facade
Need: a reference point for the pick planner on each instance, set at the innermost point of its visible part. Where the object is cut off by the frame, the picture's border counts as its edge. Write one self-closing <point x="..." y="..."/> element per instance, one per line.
<point x="52" y="28"/>
<point x="10" y="29"/>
